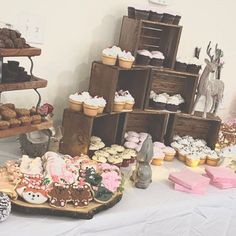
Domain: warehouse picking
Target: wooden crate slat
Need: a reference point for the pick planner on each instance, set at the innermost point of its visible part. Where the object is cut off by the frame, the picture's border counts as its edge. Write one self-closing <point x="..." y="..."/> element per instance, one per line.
<point x="22" y="52"/>
<point x="147" y="32"/>
<point x="33" y="84"/>
<point x="25" y="129"/>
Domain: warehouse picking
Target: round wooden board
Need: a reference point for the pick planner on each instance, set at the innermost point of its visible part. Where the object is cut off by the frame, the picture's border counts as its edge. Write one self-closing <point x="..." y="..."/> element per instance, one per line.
<point x="68" y="211"/>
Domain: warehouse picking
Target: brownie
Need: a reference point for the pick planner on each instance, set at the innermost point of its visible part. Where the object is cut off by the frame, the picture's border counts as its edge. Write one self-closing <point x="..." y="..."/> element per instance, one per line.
<point x="22" y="112"/>
<point x="25" y="120"/>
<point x="14" y="123"/>
<point x="4" y="124"/>
<point x="36" y="119"/>
<point x="8" y="114"/>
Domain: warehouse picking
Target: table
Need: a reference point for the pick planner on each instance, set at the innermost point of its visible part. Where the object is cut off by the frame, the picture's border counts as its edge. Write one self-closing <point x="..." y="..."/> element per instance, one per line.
<point x="158" y="210"/>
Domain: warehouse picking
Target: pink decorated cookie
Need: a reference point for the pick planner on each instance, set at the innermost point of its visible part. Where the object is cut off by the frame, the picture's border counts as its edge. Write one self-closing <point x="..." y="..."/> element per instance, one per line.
<point x="159" y="145"/>
<point x="111" y="180"/>
<point x="132" y="133"/>
<point x="132" y="139"/>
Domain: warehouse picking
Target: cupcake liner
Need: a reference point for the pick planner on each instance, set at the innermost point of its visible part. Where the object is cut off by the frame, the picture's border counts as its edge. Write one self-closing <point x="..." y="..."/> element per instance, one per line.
<point x="159" y="105"/>
<point x="101" y="110"/>
<point x="157" y="162"/>
<point x="127" y="64"/>
<point x="192" y="68"/>
<point x="75" y="106"/>
<point x="169" y="157"/>
<point x="176" y="20"/>
<point x="142" y="60"/>
<point x="212" y="162"/>
<point x="157" y="62"/>
<point x="171" y="107"/>
<point x="167" y="18"/>
<point x="181" y="157"/>
<point x="141" y="14"/>
<point x="131" y="12"/>
<point x="128" y="106"/>
<point x="90" y="110"/>
<point x="155" y="16"/>
<point x="111" y="61"/>
<point x="179" y="66"/>
<point x="118" y="107"/>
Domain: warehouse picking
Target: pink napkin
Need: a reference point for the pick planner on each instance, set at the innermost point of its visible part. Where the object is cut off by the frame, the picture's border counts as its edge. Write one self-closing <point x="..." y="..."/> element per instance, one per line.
<point x="189" y="179"/>
<point x="198" y="190"/>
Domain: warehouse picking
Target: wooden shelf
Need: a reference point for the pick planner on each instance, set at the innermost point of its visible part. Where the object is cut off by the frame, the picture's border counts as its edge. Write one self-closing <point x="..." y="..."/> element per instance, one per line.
<point x="25" y="129"/>
<point x="20" y="52"/>
<point x="33" y="84"/>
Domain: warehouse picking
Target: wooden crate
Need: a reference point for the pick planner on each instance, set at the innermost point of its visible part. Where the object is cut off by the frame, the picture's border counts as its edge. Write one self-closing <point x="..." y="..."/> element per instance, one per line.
<point x="153" y="36"/>
<point x="153" y="123"/>
<point x="196" y="126"/>
<point x="106" y="80"/>
<point x="173" y="82"/>
<point x="78" y="129"/>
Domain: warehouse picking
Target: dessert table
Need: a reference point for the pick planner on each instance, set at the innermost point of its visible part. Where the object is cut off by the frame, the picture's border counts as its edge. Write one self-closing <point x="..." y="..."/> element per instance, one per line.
<point x="159" y="210"/>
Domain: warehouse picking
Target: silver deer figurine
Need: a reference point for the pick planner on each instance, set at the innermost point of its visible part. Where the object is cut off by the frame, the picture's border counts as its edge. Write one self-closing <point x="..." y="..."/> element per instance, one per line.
<point x="211" y="89"/>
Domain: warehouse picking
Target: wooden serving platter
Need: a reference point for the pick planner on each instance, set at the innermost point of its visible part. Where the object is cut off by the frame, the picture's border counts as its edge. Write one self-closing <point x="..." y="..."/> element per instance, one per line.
<point x="68" y="211"/>
<point x="20" y="52"/>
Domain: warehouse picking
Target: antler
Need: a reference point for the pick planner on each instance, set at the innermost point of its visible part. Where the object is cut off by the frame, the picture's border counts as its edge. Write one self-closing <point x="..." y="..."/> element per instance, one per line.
<point x="208" y="51"/>
<point x="218" y="53"/>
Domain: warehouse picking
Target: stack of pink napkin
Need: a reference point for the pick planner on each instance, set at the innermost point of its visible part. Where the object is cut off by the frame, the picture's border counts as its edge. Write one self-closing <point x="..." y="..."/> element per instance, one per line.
<point x="190" y="182"/>
<point x="221" y="177"/>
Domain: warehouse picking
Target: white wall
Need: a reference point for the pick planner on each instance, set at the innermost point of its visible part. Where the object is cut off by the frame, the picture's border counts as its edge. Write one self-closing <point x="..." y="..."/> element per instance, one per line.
<point x="76" y="31"/>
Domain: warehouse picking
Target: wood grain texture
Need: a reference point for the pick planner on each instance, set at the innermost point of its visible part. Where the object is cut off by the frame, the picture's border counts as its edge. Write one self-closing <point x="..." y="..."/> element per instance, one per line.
<point x="33" y="84"/>
<point x="25" y="129"/>
<point x="68" y="211"/>
<point x="195" y="126"/>
<point x="22" y="52"/>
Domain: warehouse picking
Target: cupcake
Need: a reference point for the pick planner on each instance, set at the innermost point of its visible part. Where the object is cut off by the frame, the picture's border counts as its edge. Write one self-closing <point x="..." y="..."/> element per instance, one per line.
<point x="212" y="159"/>
<point x="182" y="153"/>
<point x="76" y="101"/>
<point x="36" y="119"/>
<point x="25" y="120"/>
<point x="143" y="57"/>
<point x="102" y="153"/>
<point x="155" y="15"/>
<point x="169" y="153"/>
<point x="4" y="125"/>
<point x="126" y="160"/>
<point x="192" y="160"/>
<point x="119" y="103"/>
<point x="132" y="153"/>
<point x="99" y="159"/>
<point x="194" y="66"/>
<point x="172" y="104"/>
<point x="141" y="13"/>
<point x="109" y="55"/>
<point x="90" y="107"/>
<point x="168" y="17"/>
<point x="118" y="148"/>
<point x="101" y="104"/>
<point x="14" y="123"/>
<point x="129" y="101"/>
<point x="158" y="158"/>
<point x="176" y="20"/>
<point x="181" y="64"/>
<point x="126" y="60"/>
<point x="131" y="12"/>
<point x="159" y="145"/>
<point x="160" y="101"/>
<point x="10" y="106"/>
<point x="157" y="58"/>
<point x="115" y="160"/>
<point x="203" y="158"/>
<point x="130" y="145"/>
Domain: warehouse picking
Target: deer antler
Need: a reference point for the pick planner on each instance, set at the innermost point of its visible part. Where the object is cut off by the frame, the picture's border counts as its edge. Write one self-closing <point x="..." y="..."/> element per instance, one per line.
<point x="218" y="53"/>
<point x="208" y="51"/>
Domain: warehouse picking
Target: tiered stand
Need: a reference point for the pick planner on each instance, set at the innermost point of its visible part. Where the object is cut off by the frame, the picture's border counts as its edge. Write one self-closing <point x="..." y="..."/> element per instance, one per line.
<point x="34" y="83"/>
<point x="140" y="80"/>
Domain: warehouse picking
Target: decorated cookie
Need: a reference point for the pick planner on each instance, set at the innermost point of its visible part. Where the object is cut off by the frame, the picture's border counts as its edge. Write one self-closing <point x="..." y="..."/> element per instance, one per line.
<point x="81" y="195"/>
<point x="59" y="195"/>
<point x="118" y="148"/>
<point x="102" y="195"/>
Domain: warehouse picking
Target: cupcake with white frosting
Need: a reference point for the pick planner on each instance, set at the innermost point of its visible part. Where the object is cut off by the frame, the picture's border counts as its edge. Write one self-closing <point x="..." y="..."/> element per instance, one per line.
<point x="194" y="66"/>
<point x="101" y="104"/>
<point x="181" y="64"/>
<point x="109" y="55"/>
<point x="192" y="160"/>
<point x="212" y="158"/>
<point x="143" y="57"/>
<point x="129" y="100"/>
<point x="91" y="107"/>
<point x="157" y="58"/>
<point x="173" y="103"/>
<point x="126" y="59"/>
<point x="76" y="100"/>
<point x="119" y="103"/>
<point x="160" y="101"/>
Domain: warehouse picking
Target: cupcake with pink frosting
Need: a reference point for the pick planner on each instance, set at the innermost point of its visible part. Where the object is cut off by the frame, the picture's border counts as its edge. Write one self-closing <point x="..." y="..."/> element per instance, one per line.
<point x="143" y="57"/>
<point x="157" y="58"/>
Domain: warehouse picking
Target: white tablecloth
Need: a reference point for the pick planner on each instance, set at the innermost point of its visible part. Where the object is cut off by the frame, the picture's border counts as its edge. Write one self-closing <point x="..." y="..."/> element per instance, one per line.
<point x="158" y="210"/>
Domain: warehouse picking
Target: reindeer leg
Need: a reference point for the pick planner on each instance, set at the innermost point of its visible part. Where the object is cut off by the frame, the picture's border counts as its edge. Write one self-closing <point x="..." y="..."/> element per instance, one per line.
<point x="216" y="107"/>
<point x="195" y="103"/>
<point x="208" y="97"/>
<point x="213" y="104"/>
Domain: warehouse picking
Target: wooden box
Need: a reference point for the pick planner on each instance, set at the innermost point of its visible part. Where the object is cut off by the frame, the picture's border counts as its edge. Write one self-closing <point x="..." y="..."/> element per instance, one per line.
<point x="195" y="126"/>
<point x="106" y="80"/>
<point x="154" y="123"/>
<point x="78" y="129"/>
<point x="173" y="82"/>
<point x="153" y="36"/>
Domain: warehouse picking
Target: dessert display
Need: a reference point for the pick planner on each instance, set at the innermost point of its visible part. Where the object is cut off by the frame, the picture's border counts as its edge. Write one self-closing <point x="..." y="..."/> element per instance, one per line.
<point x="11" y="39"/>
<point x="110" y="56"/>
<point x="12" y="73"/>
<point x="194" y="151"/>
<point x="153" y="14"/>
<point x="154" y="58"/>
<point x="5" y="207"/>
<point x="134" y="140"/>
<point x="123" y="101"/>
<point x="12" y="117"/>
<point x="164" y="101"/>
<point x="60" y="181"/>
<point x="91" y="106"/>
